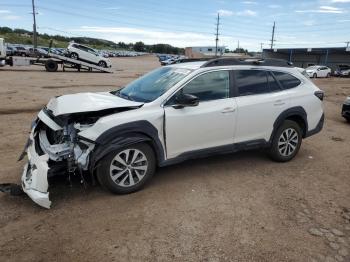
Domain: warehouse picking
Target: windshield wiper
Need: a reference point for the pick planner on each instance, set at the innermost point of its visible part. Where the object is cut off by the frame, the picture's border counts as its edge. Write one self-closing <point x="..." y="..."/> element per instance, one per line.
<point x="118" y="93"/>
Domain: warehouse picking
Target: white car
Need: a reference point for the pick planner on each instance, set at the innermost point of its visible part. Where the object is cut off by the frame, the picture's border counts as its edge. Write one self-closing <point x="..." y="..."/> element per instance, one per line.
<point x="318" y="71"/>
<point x="172" y="114"/>
<point x="87" y="54"/>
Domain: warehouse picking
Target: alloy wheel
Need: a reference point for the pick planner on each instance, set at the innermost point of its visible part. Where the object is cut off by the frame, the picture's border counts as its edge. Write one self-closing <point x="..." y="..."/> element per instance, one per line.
<point x="288" y="142"/>
<point x="128" y="167"/>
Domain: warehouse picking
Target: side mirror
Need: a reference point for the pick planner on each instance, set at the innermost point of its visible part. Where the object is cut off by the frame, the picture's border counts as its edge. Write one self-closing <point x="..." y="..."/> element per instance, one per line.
<point x="184" y="100"/>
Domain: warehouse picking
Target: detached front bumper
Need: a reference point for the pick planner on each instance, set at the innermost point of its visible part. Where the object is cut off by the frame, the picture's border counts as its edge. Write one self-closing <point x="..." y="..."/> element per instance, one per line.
<point x="34" y="176"/>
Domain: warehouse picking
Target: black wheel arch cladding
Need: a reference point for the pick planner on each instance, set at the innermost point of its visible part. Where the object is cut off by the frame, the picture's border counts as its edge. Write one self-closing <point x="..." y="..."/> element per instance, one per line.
<point x="296" y="114"/>
<point x="125" y="135"/>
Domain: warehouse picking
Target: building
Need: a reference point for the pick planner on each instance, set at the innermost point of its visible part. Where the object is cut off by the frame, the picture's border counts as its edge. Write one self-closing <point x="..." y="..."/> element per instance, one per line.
<point x="304" y="57"/>
<point x="203" y="51"/>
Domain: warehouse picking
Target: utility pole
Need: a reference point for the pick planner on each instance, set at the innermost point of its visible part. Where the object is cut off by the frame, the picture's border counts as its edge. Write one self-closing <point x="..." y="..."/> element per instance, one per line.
<point x="35" y="43"/>
<point x="262" y="50"/>
<point x="238" y="46"/>
<point x="217" y="35"/>
<point x="273" y="34"/>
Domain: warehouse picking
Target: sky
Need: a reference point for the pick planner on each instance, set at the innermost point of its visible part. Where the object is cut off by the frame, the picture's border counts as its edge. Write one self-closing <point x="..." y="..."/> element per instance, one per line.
<point x="182" y="23"/>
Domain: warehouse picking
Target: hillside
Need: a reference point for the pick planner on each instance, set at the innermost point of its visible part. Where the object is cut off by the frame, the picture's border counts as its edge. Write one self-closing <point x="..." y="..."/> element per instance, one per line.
<point x="25" y="37"/>
<point x="21" y="36"/>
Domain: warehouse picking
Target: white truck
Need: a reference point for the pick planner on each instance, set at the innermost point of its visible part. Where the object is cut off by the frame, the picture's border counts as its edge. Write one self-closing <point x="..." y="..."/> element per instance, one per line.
<point x="51" y="63"/>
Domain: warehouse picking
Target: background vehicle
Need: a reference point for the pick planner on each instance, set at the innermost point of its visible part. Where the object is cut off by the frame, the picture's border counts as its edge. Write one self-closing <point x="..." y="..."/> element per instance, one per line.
<point x="84" y="53"/>
<point x="318" y="71"/>
<point x="20" y="51"/>
<point x="9" y="51"/>
<point x="174" y="113"/>
<point x="41" y="57"/>
<point x="346" y="109"/>
<point x="168" y="61"/>
<point x="342" y="70"/>
<point x="37" y="52"/>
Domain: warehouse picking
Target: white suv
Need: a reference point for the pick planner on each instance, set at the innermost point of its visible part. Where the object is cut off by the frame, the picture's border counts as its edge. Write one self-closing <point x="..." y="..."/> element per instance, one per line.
<point x="172" y="114"/>
<point x="87" y="54"/>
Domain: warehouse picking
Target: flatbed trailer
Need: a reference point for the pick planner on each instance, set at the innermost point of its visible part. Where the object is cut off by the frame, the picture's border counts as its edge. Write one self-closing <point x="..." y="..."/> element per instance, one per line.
<point x="51" y="63"/>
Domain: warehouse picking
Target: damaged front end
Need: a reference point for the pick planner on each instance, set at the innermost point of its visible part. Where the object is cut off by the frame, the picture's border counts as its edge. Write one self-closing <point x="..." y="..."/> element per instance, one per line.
<point x="53" y="148"/>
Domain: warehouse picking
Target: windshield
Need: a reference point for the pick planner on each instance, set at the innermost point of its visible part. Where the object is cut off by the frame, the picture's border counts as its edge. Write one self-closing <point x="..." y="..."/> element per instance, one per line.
<point x="152" y="85"/>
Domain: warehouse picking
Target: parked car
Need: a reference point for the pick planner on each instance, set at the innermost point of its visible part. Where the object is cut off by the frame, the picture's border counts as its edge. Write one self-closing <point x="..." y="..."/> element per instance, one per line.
<point x="168" y="61"/>
<point x="20" y="51"/>
<point x="9" y="51"/>
<point x="174" y="113"/>
<point x="318" y="71"/>
<point x="37" y="52"/>
<point x="346" y="109"/>
<point x="87" y="54"/>
<point x="342" y="70"/>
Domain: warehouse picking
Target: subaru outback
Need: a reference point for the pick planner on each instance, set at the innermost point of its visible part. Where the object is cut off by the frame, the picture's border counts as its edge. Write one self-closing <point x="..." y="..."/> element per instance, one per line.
<point x="174" y="113"/>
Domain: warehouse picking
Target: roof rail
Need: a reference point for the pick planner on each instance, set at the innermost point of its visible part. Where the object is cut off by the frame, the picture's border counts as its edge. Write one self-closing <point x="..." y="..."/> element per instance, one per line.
<point x="226" y="61"/>
<point x="187" y="60"/>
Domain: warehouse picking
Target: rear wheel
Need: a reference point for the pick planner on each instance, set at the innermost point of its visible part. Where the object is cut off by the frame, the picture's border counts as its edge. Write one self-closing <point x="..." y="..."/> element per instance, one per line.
<point x="286" y="142"/>
<point x="74" y="56"/>
<point x="51" y="65"/>
<point x="128" y="169"/>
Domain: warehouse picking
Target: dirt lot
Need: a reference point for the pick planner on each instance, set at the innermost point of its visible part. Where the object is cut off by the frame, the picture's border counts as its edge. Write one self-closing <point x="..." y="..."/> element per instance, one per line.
<point x="239" y="207"/>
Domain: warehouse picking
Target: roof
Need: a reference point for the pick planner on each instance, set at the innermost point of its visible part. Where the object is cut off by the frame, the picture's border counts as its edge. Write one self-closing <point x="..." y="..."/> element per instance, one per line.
<point x="189" y="65"/>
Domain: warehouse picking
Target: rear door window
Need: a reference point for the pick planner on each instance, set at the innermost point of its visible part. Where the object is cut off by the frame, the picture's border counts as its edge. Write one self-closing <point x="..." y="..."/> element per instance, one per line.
<point x="286" y="80"/>
<point x="273" y="84"/>
<point x="251" y="82"/>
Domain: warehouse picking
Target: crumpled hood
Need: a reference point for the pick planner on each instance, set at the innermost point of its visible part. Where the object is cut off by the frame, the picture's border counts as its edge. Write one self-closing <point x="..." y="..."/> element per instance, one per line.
<point x="87" y="102"/>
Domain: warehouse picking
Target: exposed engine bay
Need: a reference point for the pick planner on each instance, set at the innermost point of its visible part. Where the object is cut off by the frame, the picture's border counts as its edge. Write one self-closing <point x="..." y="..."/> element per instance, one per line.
<point x="54" y="147"/>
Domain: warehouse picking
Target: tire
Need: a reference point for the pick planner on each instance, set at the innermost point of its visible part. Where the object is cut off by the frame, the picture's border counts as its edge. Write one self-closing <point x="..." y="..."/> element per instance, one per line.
<point x="125" y="178"/>
<point x="281" y="149"/>
<point x="315" y="75"/>
<point x="74" y="56"/>
<point x="102" y="64"/>
<point x="51" y="65"/>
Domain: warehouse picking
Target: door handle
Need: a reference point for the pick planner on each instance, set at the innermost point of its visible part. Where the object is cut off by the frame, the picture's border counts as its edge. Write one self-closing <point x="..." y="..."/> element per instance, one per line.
<point x="278" y="103"/>
<point x="228" y="110"/>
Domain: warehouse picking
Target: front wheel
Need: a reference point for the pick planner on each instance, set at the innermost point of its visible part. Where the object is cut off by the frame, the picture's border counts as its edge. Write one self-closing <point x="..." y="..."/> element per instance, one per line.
<point x="128" y="169"/>
<point x="102" y="64"/>
<point x="286" y="141"/>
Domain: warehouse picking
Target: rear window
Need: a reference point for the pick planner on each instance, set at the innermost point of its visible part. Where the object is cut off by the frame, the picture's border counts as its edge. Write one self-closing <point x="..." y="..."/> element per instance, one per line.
<point x="287" y="81"/>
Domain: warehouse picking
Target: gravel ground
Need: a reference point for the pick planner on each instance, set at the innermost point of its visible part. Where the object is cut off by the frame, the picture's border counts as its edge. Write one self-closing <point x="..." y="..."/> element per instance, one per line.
<point x="238" y="207"/>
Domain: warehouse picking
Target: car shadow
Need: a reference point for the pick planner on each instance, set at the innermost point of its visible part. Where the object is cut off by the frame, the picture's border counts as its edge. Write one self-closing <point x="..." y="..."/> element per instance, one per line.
<point x="63" y="191"/>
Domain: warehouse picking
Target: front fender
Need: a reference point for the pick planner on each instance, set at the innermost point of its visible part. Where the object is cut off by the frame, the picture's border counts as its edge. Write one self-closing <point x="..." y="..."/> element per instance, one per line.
<point x="125" y="135"/>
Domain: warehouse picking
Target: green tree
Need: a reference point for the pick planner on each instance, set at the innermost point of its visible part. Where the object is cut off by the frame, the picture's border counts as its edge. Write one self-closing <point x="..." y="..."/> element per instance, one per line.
<point x="139" y="46"/>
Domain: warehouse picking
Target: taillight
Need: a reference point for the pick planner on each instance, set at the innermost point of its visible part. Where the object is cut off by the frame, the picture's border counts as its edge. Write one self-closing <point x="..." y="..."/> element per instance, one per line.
<point x="319" y="94"/>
